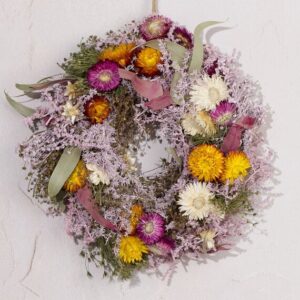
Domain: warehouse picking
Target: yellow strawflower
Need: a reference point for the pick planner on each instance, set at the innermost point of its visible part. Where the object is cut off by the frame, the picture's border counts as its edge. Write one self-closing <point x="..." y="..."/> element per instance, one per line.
<point x="132" y="249"/>
<point x="237" y="165"/>
<point x="206" y="162"/>
<point x="148" y="60"/>
<point x="77" y="179"/>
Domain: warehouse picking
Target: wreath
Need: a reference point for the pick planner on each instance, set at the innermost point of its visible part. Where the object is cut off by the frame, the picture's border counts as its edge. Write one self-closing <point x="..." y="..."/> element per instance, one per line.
<point x="152" y="79"/>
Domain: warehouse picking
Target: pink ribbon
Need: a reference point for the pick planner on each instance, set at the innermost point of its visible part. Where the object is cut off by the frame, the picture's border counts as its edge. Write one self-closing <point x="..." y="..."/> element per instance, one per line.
<point x="161" y="102"/>
<point x="153" y="90"/>
<point x="232" y="140"/>
<point x="85" y="198"/>
<point x="146" y="88"/>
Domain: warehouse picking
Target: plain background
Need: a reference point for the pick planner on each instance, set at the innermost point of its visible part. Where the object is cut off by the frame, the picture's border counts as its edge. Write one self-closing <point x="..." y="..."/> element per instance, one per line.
<point x="39" y="261"/>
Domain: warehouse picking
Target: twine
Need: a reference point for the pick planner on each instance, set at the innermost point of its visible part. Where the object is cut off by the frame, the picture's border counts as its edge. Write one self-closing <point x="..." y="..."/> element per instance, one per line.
<point x="155" y="6"/>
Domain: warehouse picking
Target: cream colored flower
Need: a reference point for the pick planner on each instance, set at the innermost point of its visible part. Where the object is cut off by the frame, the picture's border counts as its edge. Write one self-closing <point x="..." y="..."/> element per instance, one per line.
<point x="130" y="161"/>
<point x="194" y="201"/>
<point x="70" y="91"/>
<point x="208" y="92"/>
<point x="198" y="123"/>
<point x="97" y="175"/>
<point x="71" y="111"/>
<point x="208" y="239"/>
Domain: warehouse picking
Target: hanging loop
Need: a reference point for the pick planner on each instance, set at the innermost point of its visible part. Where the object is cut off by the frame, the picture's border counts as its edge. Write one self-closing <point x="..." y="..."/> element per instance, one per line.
<point x="155" y="6"/>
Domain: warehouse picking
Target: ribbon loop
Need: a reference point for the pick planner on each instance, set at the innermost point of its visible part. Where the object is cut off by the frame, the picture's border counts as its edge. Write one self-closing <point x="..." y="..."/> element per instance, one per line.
<point x="85" y="198"/>
<point x="232" y="140"/>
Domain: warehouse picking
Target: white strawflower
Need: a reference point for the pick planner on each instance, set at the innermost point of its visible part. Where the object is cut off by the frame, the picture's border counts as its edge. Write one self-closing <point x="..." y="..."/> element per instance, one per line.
<point x="208" y="92"/>
<point x="71" y="111"/>
<point x="208" y="239"/>
<point x="97" y="175"/>
<point x="198" y="123"/>
<point x="70" y="91"/>
<point x="194" y="201"/>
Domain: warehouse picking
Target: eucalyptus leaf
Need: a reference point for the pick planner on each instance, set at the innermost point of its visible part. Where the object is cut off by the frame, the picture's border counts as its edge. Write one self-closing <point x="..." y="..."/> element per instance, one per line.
<point x="197" y="56"/>
<point x="64" y="168"/>
<point x="32" y="95"/>
<point x="175" y="80"/>
<point x="19" y="107"/>
<point x="177" y="53"/>
<point x="38" y="86"/>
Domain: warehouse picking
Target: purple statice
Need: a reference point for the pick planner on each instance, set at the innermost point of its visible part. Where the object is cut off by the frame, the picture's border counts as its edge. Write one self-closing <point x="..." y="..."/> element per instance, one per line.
<point x="79" y="223"/>
<point x="151" y="228"/>
<point x="183" y="37"/>
<point x="104" y="76"/>
<point x="223" y="113"/>
<point x="155" y="27"/>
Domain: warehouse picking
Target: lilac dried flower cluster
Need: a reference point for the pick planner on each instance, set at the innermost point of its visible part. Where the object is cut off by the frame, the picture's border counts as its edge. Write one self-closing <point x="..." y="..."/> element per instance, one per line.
<point x="209" y="105"/>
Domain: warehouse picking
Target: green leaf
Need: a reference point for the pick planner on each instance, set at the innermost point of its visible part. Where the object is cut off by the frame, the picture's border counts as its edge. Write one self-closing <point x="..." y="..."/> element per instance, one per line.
<point x="197" y="56"/>
<point x="32" y="95"/>
<point x="19" y="107"/>
<point x="64" y="168"/>
<point x="177" y="53"/>
<point x="175" y="80"/>
<point x="38" y="86"/>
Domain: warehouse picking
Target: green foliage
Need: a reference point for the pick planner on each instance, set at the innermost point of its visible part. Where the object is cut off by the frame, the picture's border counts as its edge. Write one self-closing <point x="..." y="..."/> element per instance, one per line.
<point x="79" y="62"/>
<point x="123" y="104"/>
<point x="216" y="139"/>
<point x="165" y="181"/>
<point x="239" y="204"/>
<point x="102" y="253"/>
<point x="81" y="87"/>
<point x="174" y="215"/>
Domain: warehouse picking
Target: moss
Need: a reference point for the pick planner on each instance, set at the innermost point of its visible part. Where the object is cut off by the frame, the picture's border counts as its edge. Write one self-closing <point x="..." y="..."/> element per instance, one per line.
<point x="123" y="106"/>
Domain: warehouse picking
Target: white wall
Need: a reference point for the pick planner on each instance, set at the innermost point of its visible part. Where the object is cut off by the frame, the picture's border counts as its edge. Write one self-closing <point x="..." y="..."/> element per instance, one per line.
<point x="39" y="261"/>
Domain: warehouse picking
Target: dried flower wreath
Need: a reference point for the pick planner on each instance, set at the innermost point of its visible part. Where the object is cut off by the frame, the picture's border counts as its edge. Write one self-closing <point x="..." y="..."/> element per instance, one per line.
<point x="152" y="79"/>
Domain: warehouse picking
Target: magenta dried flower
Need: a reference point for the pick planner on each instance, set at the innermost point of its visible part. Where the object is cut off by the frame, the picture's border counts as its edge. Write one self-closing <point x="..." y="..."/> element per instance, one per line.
<point x="223" y="113"/>
<point x="211" y="70"/>
<point x="151" y="228"/>
<point x="164" y="246"/>
<point x="104" y="76"/>
<point x="183" y="37"/>
<point x="155" y="27"/>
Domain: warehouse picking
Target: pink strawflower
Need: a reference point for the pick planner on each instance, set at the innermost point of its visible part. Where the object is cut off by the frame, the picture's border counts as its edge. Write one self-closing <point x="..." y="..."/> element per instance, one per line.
<point x="164" y="246"/>
<point x="151" y="228"/>
<point x="223" y="113"/>
<point x="155" y="27"/>
<point x="183" y="37"/>
<point x="104" y="76"/>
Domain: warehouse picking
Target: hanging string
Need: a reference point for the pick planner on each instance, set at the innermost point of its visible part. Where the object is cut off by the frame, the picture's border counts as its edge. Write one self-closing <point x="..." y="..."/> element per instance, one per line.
<point x="155" y="6"/>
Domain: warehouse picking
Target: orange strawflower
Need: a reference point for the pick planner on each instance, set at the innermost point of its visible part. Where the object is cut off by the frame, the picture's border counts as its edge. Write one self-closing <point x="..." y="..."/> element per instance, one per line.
<point x="206" y="162"/>
<point x="97" y="109"/>
<point x="147" y="61"/>
<point x="121" y="54"/>
<point x="136" y="213"/>
<point x="77" y="179"/>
